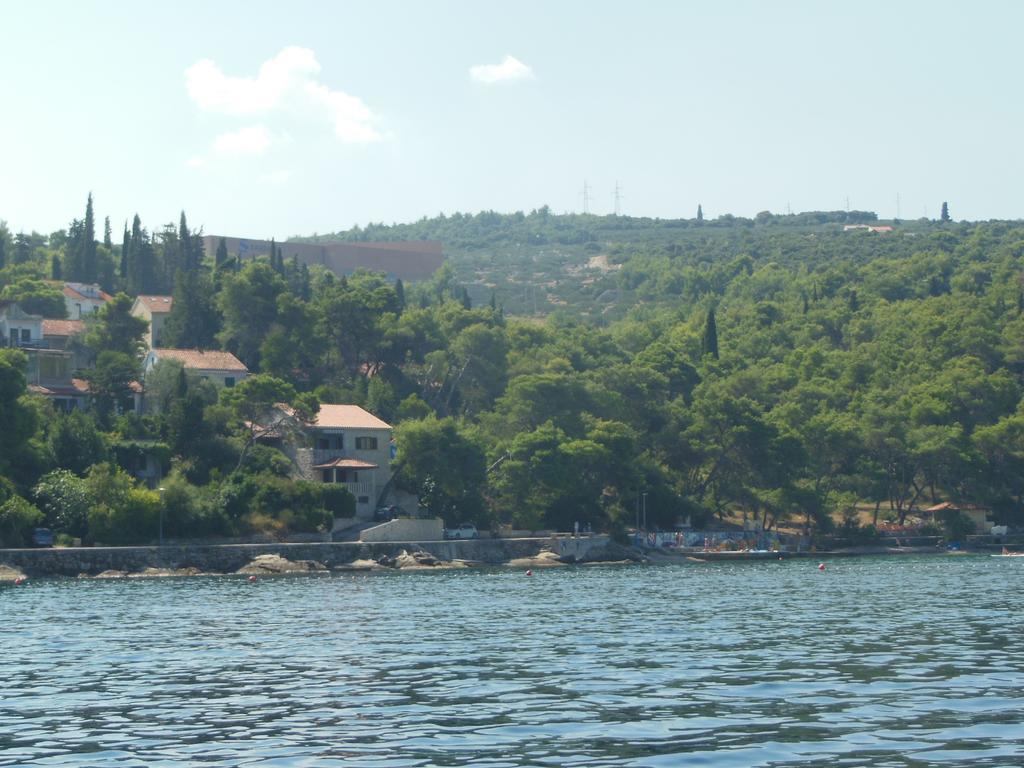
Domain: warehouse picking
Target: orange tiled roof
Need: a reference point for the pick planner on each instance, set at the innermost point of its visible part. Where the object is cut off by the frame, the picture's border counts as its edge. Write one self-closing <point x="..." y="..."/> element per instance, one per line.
<point x="62" y="327"/>
<point x="346" y="464"/>
<point x="156" y="304"/>
<point x="347" y="417"/>
<point x="202" y="359"/>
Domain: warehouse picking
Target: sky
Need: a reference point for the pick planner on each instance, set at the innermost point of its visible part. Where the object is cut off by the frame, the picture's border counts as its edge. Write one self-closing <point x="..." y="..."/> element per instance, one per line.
<point x="263" y="119"/>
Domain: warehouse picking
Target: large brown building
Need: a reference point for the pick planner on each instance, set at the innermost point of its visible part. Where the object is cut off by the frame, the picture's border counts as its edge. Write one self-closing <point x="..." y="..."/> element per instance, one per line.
<point x="408" y="260"/>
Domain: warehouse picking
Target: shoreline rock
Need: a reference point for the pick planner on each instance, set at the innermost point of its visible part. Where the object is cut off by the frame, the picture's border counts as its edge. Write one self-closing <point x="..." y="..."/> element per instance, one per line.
<point x="266" y="564"/>
<point x="7" y="573"/>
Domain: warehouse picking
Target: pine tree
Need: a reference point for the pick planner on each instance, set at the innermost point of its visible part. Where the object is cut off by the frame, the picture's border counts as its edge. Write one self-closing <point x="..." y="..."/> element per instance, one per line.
<point x="709" y="344"/>
<point x="22" y="249"/>
<point x="55" y="269"/>
<point x="700" y="214"/>
<point x="944" y="216"/>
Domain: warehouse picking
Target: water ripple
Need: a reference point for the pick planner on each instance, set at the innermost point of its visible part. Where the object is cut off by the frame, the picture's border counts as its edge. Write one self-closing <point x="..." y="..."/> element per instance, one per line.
<point x="875" y="662"/>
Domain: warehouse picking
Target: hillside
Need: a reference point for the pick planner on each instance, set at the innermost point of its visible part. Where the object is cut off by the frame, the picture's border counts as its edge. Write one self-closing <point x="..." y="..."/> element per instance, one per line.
<point x="598" y="267"/>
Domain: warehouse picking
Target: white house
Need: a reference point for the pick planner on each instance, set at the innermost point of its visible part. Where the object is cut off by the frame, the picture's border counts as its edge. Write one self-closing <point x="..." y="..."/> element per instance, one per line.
<point x="19" y="328"/>
<point x="222" y="368"/>
<point x="82" y="299"/>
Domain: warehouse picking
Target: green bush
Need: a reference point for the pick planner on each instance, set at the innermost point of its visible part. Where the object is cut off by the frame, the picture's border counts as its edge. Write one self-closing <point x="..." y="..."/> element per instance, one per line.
<point x="338" y="500"/>
<point x="65" y="498"/>
<point x="17" y="519"/>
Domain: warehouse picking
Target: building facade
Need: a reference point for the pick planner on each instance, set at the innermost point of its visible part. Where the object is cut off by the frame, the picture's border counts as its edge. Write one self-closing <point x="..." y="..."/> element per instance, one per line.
<point x="154" y="310"/>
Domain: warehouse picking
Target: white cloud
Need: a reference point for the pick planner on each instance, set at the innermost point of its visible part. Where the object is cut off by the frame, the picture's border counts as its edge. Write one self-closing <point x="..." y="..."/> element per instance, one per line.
<point x="510" y="68"/>
<point x="286" y="85"/>
<point x="253" y="140"/>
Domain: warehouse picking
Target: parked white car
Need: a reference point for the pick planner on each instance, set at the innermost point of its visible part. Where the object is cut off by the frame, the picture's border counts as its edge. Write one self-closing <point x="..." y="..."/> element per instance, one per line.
<point x="462" y="531"/>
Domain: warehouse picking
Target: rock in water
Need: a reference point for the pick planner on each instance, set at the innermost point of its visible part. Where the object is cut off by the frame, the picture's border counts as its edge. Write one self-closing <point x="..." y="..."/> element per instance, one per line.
<point x="277" y="564"/>
<point x="7" y="573"/>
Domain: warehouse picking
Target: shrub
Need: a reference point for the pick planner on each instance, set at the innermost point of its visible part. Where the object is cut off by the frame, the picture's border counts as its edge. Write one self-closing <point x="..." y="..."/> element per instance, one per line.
<point x="65" y="498"/>
<point x="17" y="519"/>
<point x="338" y="500"/>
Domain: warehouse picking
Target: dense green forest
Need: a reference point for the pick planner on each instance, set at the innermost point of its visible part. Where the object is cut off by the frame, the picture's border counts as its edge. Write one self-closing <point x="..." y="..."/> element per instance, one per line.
<point x="553" y="371"/>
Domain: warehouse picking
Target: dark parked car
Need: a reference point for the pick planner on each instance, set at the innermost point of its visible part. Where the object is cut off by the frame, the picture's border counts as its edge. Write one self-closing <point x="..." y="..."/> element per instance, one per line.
<point x="42" y="537"/>
<point x="383" y="514"/>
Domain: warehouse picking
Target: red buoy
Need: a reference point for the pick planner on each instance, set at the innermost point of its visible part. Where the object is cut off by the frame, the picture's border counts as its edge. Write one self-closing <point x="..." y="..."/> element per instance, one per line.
<point x="19" y="581"/>
<point x="821" y="566"/>
<point x="529" y="572"/>
<point x="252" y="578"/>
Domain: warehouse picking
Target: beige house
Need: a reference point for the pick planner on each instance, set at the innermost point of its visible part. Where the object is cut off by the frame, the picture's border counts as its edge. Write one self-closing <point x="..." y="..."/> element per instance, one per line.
<point x="352" y="446"/>
<point x="222" y="368"/>
<point x="154" y="310"/>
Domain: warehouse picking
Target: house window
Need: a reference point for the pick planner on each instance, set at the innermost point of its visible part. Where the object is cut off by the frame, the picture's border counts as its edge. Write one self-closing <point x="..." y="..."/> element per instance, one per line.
<point x="229" y="381"/>
<point x="339" y="442"/>
<point x="366" y="443"/>
<point x="322" y="443"/>
<point x="26" y="335"/>
<point x="328" y="475"/>
<point x="14" y="337"/>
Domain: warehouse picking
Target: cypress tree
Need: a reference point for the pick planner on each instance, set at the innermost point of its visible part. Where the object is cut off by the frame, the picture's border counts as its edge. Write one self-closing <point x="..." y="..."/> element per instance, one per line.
<point x="107" y="242"/>
<point x="125" y="243"/>
<point x="700" y="214"/>
<point x="222" y="253"/>
<point x="709" y="344"/>
<point x="400" y="293"/>
<point x="88" y="263"/>
<point x="55" y="269"/>
<point x="944" y="216"/>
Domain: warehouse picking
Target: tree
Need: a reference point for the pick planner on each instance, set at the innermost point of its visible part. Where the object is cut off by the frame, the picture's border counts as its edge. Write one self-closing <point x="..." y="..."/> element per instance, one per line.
<point x="110" y="383"/>
<point x="65" y="498"/>
<point x="22" y="248"/>
<point x="443" y="466"/>
<point x="17" y="519"/>
<point x="709" y="342"/>
<point x="75" y="442"/>
<point x="55" y="268"/>
<point x="700" y="214"/>
<point x="944" y="216"/>
<point x="248" y="302"/>
<point x="116" y="329"/>
<point x="17" y="419"/>
<point x="256" y="405"/>
<point x="221" y="255"/>
<point x="194" y="320"/>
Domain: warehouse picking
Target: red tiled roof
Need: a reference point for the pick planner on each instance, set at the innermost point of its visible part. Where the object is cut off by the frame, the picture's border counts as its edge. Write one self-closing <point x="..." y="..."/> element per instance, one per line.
<point x="62" y="327"/>
<point x="156" y="304"/>
<point x="202" y="359"/>
<point x="347" y="417"/>
<point x="346" y="464"/>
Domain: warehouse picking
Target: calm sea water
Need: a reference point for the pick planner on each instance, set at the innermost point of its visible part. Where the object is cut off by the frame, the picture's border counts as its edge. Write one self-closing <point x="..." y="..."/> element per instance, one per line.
<point x="875" y="662"/>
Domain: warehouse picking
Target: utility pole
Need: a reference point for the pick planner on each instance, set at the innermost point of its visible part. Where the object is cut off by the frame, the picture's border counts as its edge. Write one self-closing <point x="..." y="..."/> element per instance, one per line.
<point x="618" y="197"/>
<point x="586" y="197"/>
<point x="847" y="203"/>
<point x="897" y="205"/>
